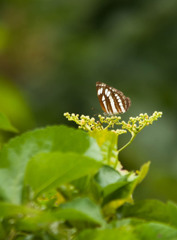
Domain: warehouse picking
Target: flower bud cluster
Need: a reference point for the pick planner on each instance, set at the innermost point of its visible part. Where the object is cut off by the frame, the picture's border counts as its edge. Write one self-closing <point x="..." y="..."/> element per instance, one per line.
<point x="134" y="125"/>
<point x="85" y="122"/>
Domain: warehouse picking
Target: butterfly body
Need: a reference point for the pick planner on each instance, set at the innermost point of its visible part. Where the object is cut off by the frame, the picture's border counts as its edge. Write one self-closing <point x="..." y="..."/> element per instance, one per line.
<point x="111" y="99"/>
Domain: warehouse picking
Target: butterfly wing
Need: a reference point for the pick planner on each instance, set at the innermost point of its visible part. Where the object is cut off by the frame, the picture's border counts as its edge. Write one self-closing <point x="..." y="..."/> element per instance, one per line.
<point x="100" y="88"/>
<point x="112" y="100"/>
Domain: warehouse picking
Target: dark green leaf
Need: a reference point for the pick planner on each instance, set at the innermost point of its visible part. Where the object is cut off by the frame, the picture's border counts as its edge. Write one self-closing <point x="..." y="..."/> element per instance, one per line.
<point x="152" y="210"/>
<point x="149" y="210"/>
<point x="124" y="194"/>
<point x="109" y="180"/>
<point x="2" y="232"/>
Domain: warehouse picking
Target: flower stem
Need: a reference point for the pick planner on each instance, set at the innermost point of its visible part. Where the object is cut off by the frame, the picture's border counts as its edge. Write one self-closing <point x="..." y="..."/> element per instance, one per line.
<point x="131" y="140"/>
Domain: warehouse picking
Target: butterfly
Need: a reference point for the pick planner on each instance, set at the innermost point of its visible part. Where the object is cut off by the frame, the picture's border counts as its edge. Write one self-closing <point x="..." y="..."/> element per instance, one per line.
<point x="112" y="100"/>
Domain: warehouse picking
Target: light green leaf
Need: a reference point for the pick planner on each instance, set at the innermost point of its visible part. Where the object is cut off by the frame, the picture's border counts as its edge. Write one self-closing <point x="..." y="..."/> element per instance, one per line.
<point x="30" y="219"/>
<point x="123" y="233"/>
<point x="108" y="142"/>
<point x="126" y="222"/>
<point x="155" y="231"/>
<point x="26" y="218"/>
<point x="14" y="105"/>
<point x="172" y="212"/>
<point x="16" y="154"/>
<point x="80" y="209"/>
<point x="8" y="209"/>
<point x="142" y="173"/>
<point x="5" y="124"/>
<point x="49" y="170"/>
<point x="146" y="230"/>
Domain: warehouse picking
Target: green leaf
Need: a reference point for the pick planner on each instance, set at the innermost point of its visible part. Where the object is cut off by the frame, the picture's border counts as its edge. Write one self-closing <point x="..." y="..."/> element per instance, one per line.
<point x="149" y="210"/>
<point x="5" y="124"/>
<point x="80" y="209"/>
<point x="152" y="210"/>
<point x="2" y="232"/>
<point x="16" y="154"/>
<point x="124" y="194"/>
<point x="13" y="104"/>
<point x="123" y="233"/>
<point x="8" y="209"/>
<point x="126" y="222"/>
<point x="155" y="231"/>
<point x="146" y="230"/>
<point x="49" y="170"/>
<point x="109" y="180"/>
<point x="30" y="219"/>
<point x="172" y="212"/>
<point x="108" y="142"/>
<point x="26" y="218"/>
<point x="127" y="191"/>
<point x="142" y="174"/>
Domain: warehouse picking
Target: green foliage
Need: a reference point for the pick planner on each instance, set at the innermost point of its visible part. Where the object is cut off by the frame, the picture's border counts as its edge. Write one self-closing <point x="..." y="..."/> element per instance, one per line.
<point x="45" y="171"/>
<point x="81" y="209"/>
<point x="55" y="51"/>
<point x="14" y="105"/>
<point x="62" y="183"/>
<point x="5" y="124"/>
<point x="109" y="140"/>
<point x="152" y="210"/>
<point x="112" y="234"/>
<point x="15" y="156"/>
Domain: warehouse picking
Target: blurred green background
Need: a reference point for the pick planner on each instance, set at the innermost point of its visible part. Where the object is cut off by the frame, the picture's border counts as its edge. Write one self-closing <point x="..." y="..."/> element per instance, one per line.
<point x="53" y="52"/>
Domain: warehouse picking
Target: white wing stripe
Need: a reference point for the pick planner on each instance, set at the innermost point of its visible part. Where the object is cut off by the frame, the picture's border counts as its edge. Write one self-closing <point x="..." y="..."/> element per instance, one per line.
<point x="104" y="102"/>
<point x="113" y="105"/>
<point x="100" y="90"/>
<point x="116" y="99"/>
<point x="121" y="106"/>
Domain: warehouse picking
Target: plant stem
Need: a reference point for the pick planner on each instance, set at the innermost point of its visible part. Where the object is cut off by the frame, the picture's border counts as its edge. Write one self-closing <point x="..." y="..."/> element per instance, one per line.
<point x="131" y="139"/>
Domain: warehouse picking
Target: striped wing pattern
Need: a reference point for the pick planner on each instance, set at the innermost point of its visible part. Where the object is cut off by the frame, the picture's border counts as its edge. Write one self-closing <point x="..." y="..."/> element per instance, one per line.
<point x="112" y="100"/>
